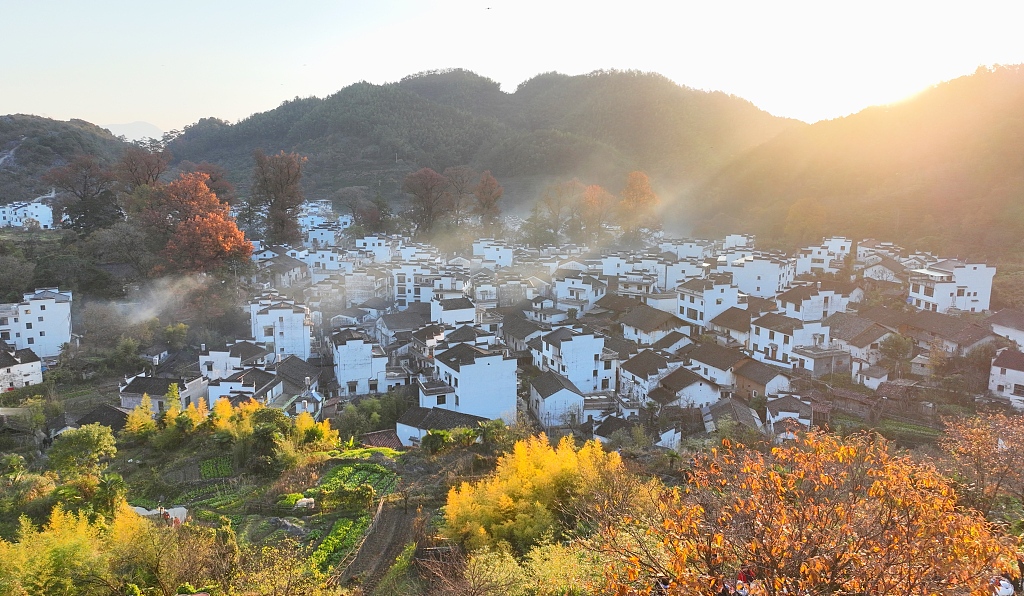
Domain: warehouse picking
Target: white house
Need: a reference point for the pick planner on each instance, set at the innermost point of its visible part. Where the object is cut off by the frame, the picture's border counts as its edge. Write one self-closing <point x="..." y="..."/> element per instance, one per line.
<point x="40" y="322"/>
<point x="479" y="382"/>
<point x="360" y="365"/>
<point x="639" y="375"/>
<point x="701" y="300"/>
<point x="579" y="355"/>
<point x="646" y="325"/>
<point x="453" y="311"/>
<point x="284" y="326"/>
<point x="19" y="368"/>
<point x="218" y="363"/>
<point x="494" y="250"/>
<point x="555" y="401"/>
<point x="952" y="285"/>
<point x="1006" y="377"/>
<point x="576" y="289"/>
<point x="685" y="388"/>
<point x="774" y="336"/>
<point x="1009" y="323"/>
<point x="787" y="415"/>
<point x="760" y="274"/>
<point x="378" y="246"/>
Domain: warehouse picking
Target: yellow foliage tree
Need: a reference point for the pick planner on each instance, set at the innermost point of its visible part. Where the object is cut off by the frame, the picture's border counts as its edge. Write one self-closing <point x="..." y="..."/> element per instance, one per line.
<point x="140" y="421"/>
<point x="221" y="415"/>
<point x="530" y="493"/>
<point x="824" y="515"/>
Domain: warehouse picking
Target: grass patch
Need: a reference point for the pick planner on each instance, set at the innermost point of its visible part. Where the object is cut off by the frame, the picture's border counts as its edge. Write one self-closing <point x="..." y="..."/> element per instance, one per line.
<point x="398" y="580"/>
<point x="351" y="476"/>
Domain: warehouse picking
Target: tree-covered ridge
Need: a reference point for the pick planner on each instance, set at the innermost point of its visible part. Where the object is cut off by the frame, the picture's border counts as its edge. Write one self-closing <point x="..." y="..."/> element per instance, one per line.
<point x="32" y="145"/>
<point x="605" y="123"/>
<point x="942" y="171"/>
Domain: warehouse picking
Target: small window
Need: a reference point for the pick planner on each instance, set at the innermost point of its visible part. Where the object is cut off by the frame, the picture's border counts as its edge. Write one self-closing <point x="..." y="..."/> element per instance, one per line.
<point x="31" y="340"/>
<point x="42" y="307"/>
<point x="40" y="319"/>
<point x="28" y="325"/>
<point x="42" y="334"/>
<point x="442" y="399"/>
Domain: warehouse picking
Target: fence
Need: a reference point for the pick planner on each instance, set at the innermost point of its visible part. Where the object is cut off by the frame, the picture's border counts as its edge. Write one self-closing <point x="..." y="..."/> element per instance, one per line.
<point x="350" y="558"/>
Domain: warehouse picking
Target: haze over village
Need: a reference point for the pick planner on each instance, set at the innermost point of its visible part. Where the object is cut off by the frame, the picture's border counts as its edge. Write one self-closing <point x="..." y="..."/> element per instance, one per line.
<point x="614" y="321"/>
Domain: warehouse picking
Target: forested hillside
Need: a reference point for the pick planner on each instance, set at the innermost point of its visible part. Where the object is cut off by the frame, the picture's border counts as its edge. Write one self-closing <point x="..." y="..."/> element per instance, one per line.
<point x="943" y="170"/>
<point x="597" y="126"/>
<point x="31" y="145"/>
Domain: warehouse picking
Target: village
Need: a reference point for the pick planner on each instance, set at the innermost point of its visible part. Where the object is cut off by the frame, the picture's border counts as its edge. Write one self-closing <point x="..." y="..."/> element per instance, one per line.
<point x="664" y="343"/>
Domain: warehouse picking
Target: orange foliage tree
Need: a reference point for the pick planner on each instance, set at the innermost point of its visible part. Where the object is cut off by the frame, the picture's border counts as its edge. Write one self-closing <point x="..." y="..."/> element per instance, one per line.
<point x="822" y="515"/>
<point x="598" y="205"/>
<point x="985" y="456"/>
<point x="488" y="192"/>
<point x="192" y="229"/>
<point x="638" y="203"/>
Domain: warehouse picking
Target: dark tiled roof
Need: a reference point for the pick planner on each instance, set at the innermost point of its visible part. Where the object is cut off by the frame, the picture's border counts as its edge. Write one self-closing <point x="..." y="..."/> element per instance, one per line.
<point x="885" y="316"/>
<point x="248" y="352"/>
<point x="456" y="303"/>
<point x="733" y="318"/>
<point x="681" y="378"/>
<point x="777" y="322"/>
<point x="465" y="333"/>
<point x="381" y="438"/>
<point x="1011" y="359"/>
<point x="346" y="335"/>
<point x="738" y="410"/>
<point x="404" y="321"/>
<point x="761" y="305"/>
<point x="670" y="340"/>
<point x="559" y="335"/>
<point x="646" y="363"/>
<point x="611" y="425"/>
<point x="857" y="331"/>
<point x="1008" y="317"/>
<point x="152" y="386"/>
<point x="460" y="355"/>
<point x="616" y="303"/>
<point x="789" y="403"/>
<point x="377" y="303"/>
<point x="107" y="415"/>
<point x="623" y="347"/>
<point x="798" y="294"/>
<point x="438" y="419"/>
<point x="551" y="383"/>
<point x="715" y="355"/>
<point x="648" y="318"/>
<point x="294" y="370"/>
<point x="960" y="331"/>
<point x="757" y="372"/>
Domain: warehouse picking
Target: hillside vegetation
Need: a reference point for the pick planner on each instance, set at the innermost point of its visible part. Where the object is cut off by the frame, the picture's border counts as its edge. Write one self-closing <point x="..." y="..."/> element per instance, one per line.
<point x="32" y="145"/>
<point x="599" y="126"/>
<point x="943" y="171"/>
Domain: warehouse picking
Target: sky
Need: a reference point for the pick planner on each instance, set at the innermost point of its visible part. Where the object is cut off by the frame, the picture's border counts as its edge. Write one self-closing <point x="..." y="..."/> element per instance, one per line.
<point x="172" y="63"/>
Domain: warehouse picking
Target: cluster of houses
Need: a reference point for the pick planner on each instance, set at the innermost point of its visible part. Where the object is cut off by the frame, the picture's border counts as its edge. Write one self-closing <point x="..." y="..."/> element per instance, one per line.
<point x="28" y="214"/>
<point x="674" y="338"/>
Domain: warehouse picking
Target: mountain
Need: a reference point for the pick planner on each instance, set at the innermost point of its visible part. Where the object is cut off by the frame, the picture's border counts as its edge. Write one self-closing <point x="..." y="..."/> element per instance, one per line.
<point x="943" y="170"/>
<point x="135" y="131"/>
<point x="597" y="126"/>
<point x="31" y="145"/>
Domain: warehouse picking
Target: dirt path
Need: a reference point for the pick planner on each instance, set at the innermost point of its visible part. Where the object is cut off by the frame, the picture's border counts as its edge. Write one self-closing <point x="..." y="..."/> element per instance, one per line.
<point x="382" y="546"/>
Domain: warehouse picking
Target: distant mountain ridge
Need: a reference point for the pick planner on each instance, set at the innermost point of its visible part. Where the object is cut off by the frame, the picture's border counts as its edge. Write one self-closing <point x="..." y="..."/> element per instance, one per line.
<point x="943" y="170"/>
<point x="597" y="126"/>
<point x="31" y="145"/>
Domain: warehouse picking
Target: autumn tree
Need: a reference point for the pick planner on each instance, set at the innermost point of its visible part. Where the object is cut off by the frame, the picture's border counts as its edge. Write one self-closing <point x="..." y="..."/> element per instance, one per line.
<point x="428" y="191"/>
<point x="142" y="164"/>
<point x="985" y="454"/>
<point x="558" y="205"/>
<point x="487" y="192"/>
<point x="460" y="189"/>
<point x="276" y="187"/>
<point x="637" y="203"/>
<point x="217" y="180"/>
<point x="191" y="228"/>
<point x="80" y="451"/>
<point x="528" y="494"/>
<point x="821" y="515"/>
<point x="597" y="210"/>
<point x="91" y="204"/>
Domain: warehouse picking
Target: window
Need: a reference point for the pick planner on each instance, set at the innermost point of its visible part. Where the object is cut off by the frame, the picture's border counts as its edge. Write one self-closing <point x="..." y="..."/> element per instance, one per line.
<point x="3" y="321"/>
<point x="268" y="332"/>
<point x="607" y="364"/>
<point x="442" y="399"/>
<point x="771" y="335"/>
<point x="28" y="325"/>
<point x="960" y="292"/>
<point x="42" y="334"/>
<point x="353" y="386"/>
<point x="280" y="319"/>
<point x="1018" y="390"/>
<point x="42" y="307"/>
<point x="31" y="340"/>
<point x="604" y="383"/>
<point x="40" y="319"/>
<point x="373" y="386"/>
<point x="1002" y="371"/>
